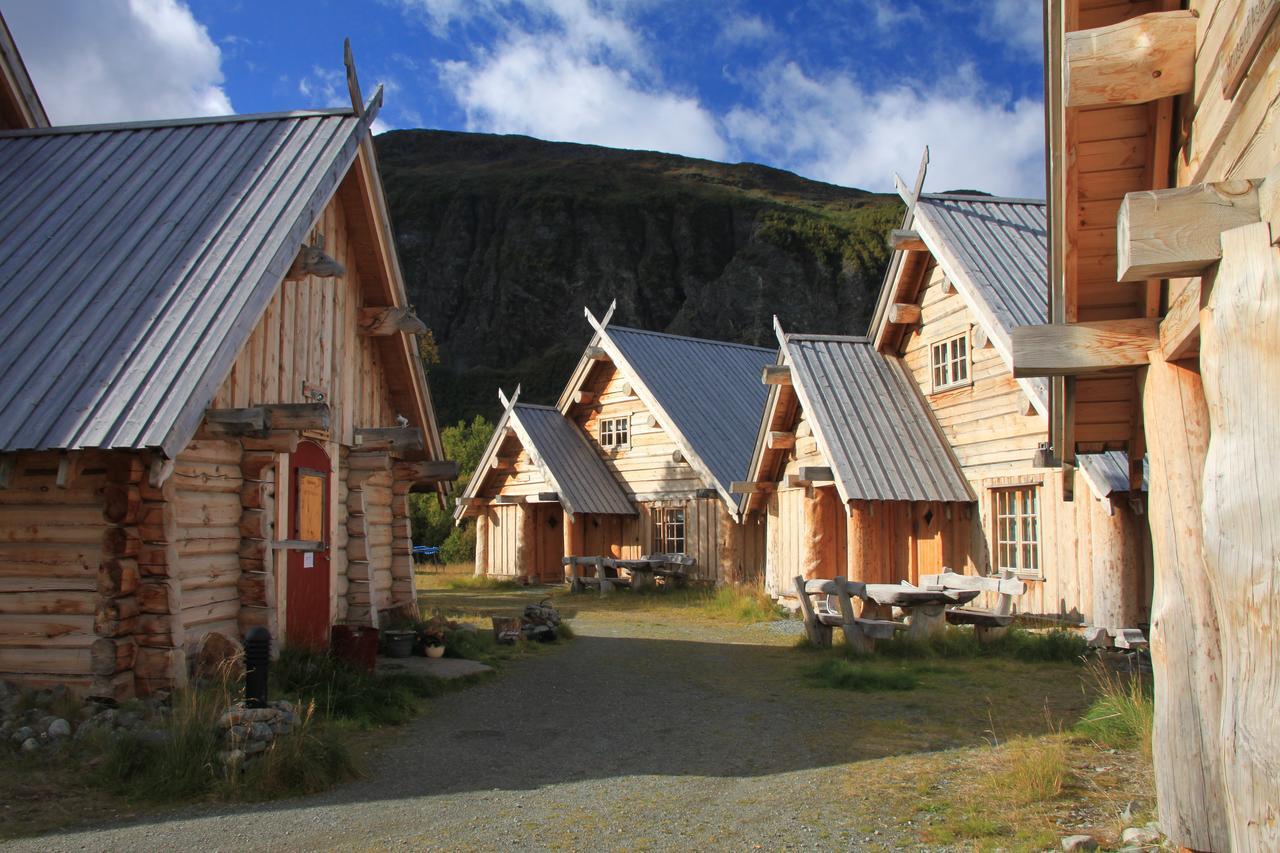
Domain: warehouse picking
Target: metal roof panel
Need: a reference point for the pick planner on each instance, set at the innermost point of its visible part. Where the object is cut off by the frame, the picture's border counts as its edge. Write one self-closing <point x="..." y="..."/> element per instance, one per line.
<point x="584" y="482"/>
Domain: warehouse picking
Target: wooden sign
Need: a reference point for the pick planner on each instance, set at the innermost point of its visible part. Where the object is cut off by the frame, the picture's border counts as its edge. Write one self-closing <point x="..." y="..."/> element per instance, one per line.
<point x="1255" y="23"/>
<point x="310" y="506"/>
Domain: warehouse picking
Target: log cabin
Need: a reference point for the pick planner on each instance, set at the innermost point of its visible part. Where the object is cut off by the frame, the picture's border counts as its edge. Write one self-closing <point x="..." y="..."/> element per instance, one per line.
<point x="213" y="406"/>
<point x="1164" y="277"/>
<point x="638" y="456"/>
<point x="849" y="470"/>
<point x="967" y="272"/>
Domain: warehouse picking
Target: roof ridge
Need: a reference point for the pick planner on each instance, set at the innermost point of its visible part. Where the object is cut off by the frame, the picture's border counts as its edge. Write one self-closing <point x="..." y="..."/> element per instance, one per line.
<point x="843" y="339"/>
<point x="991" y="199"/>
<point x="689" y="338"/>
<point x="151" y="124"/>
<point x="535" y="406"/>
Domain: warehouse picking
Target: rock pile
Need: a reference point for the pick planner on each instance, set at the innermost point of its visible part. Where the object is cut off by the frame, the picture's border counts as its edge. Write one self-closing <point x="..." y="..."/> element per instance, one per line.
<point x="47" y="720"/>
<point x="249" y="732"/>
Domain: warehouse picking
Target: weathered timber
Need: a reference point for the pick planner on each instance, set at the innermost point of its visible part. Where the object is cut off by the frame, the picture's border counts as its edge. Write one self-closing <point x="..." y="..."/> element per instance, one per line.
<point x="121" y="503"/>
<point x="276" y="440"/>
<point x="1180" y="327"/>
<point x="298" y="416"/>
<point x="904" y="313"/>
<point x="234" y="423"/>
<point x="780" y="440"/>
<point x="748" y="487"/>
<point x="776" y="374"/>
<point x="596" y="354"/>
<point x="312" y="261"/>
<point x="584" y="398"/>
<point x="389" y="321"/>
<point x="1176" y="232"/>
<point x="392" y="439"/>
<point x="815" y="474"/>
<point x="426" y="472"/>
<point x="108" y="656"/>
<point x="117" y="576"/>
<point x="906" y="240"/>
<point x="1135" y="61"/>
<point x="1074" y="348"/>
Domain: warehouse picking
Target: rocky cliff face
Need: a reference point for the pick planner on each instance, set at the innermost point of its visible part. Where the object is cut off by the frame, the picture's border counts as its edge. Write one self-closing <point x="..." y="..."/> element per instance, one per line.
<point x="504" y="239"/>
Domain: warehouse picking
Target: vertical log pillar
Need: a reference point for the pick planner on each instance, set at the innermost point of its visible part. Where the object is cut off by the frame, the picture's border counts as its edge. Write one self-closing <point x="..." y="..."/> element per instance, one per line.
<point x="526" y="537"/>
<point x="730" y="547"/>
<point x="257" y="582"/>
<point x="1184" y="626"/>
<point x="1241" y="368"/>
<point x="866" y="560"/>
<point x="1116" y="564"/>
<point x="482" y="542"/>
<point x="573" y="536"/>
<point x="815" y="538"/>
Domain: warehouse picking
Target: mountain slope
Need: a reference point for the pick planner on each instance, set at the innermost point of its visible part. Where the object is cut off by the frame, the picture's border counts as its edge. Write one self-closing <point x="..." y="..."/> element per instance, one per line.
<point x="504" y="239"/>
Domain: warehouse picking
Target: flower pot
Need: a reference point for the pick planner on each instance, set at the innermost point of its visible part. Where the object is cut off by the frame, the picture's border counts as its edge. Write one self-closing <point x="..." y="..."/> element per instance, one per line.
<point x="435" y="651"/>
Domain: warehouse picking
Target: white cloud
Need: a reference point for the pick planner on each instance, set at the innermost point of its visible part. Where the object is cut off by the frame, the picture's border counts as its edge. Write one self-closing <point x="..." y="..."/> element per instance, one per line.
<point x="835" y="130"/>
<point x="530" y="87"/>
<point x="890" y="13"/>
<point x="745" y="29"/>
<point x="1016" y="22"/>
<point x="98" y="62"/>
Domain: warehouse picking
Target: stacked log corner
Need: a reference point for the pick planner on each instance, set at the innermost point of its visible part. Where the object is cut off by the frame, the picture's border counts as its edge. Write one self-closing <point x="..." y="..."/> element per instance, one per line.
<point x="369" y="536"/>
<point x="404" y="594"/>
<point x="160" y="662"/>
<point x="117" y="616"/>
<point x="257" y="583"/>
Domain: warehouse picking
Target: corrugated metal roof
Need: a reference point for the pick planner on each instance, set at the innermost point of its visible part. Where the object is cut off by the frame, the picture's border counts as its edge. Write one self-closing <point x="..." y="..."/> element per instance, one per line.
<point x="1108" y="472"/>
<point x="567" y="458"/>
<point x="711" y="392"/>
<point x="871" y="423"/>
<point x="135" y="260"/>
<point x="998" y="248"/>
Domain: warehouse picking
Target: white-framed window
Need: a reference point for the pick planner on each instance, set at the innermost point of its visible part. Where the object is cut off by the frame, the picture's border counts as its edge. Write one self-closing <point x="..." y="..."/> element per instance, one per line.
<point x="615" y="432"/>
<point x="668" y="531"/>
<point x="1016" y="512"/>
<point x="950" y="362"/>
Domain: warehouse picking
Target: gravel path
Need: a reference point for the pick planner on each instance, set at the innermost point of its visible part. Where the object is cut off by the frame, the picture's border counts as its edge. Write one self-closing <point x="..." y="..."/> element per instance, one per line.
<point x="634" y="736"/>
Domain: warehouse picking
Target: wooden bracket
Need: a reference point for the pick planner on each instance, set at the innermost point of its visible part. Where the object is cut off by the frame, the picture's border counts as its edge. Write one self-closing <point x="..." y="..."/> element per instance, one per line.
<point x="776" y="374"/>
<point x="815" y="474"/>
<point x="426" y="472"/>
<point x="1074" y="348"/>
<point x="1135" y="61"/>
<point x="394" y="439"/>
<point x="389" y="320"/>
<point x="747" y="487"/>
<point x="1177" y="232"/>
<point x="596" y="354"/>
<point x="904" y="313"/>
<point x="312" y="261"/>
<point x="780" y="440"/>
<point x="906" y="240"/>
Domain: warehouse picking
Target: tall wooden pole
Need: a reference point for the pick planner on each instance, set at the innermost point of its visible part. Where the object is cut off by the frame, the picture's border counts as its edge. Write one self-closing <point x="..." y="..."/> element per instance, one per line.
<point x="816" y="541"/>
<point x="1117" y="564"/>
<point x="482" y="543"/>
<point x="572" y="536"/>
<point x="1185" y="652"/>
<point x="865" y="560"/>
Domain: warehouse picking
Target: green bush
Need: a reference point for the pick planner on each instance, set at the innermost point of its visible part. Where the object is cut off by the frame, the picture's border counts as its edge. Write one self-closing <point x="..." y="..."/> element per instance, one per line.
<point x="862" y="677"/>
<point x="343" y="691"/>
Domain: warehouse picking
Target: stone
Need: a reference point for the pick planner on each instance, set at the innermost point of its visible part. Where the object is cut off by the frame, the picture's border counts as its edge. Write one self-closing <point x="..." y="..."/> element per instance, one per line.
<point x="1140" y="836"/>
<point x="23" y="734"/>
<point x="261" y="731"/>
<point x="30" y="745"/>
<point x="253" y="747"/>
<point x="59" y="728"/>
<point x="219" y="658"/>
<point x="128" y="719"/>
<point x="1075" y="843"/>
<point x="232" y="756"/>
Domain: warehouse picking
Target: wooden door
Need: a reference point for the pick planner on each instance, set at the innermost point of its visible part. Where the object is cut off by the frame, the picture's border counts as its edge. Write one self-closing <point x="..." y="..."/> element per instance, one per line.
<point x="927" y="523"/>
<point x="307" y="579"/>
<point x="548" y="522"/>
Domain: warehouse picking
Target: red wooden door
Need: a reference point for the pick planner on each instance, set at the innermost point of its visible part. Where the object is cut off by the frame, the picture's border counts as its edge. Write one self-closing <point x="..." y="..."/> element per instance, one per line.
<point x="307" y="581"/>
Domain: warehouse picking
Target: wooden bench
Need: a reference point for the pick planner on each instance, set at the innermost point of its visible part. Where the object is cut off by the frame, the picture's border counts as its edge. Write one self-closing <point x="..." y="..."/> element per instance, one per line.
<point x="834" y="608"/>
<point x="674" y="568"/>
<point x="987" y="624"/>
<point x="606" y="574"/>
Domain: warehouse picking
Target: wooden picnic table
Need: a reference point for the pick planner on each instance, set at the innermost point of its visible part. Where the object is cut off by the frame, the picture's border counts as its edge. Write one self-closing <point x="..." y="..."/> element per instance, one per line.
<point x="645" y="569"/>
<point x="927" y="606"/>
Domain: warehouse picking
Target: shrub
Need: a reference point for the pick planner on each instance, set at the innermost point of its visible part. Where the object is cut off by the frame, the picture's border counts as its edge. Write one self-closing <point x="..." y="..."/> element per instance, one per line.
<point x="344" y="691"/>
<point x="862" y="677"/>
<point x="313" y="757"/>
<point x="1122" y="715"/>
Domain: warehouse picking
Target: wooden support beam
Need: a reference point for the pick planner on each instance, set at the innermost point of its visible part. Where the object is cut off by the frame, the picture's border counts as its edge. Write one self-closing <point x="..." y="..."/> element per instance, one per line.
<point x="235" y="423"/>
<point x="780" y="440"/>
<point x="1074" y="348"/>
<point x="277" y="441"/>
<point x="677" y="456"/>
<point x="904" y="313"/>
<point x="546" y="498"/>
<point x="815" y="474"/>
<point x="1180" y="327"/>
<point x="426" y="472"/>
<point x="747" y="487"/>
<point x="298" y="416"/>
<point x="584" y="398"/>
<point x="507" y="500"/>
<point x="906" y="240"/>
<point x="397" y="439"/>
<point x="596" y="354"/>
<point x="1269" y="201"/>
<point x="389" y="320"/>
<point x="1136" y="61"/>
<point x="473" y="502"/>
<point x="501" y="464"/>
<point x="1177" y="232"/>
<point x="776" y="374"/>
<point x="312" y="261"/>
<point x="980" y="338"/>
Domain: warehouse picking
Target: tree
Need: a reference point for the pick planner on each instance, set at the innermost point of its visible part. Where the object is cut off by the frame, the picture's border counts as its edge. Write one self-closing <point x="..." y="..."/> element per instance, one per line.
<point x="432" y="525"/>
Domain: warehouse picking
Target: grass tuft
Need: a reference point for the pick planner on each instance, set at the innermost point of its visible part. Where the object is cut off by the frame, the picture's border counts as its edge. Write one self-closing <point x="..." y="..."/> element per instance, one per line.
<point x="1017" y="643"/>
<point x="312" y="758"/>
<point x="1034" y="770"/>
<point x="862" y="677"/>
<point x="343" y="691"/>
<point x="480" y="582"/>
<point x="1122" y="715"/>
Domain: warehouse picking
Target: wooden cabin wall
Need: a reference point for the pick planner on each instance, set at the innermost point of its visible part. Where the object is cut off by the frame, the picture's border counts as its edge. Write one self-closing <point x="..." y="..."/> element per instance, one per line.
<point x="784" y="541"/>
<point x="703" y="518"/>
<point x="983" y="421"/>
<point x="307" y="339"/>
<point x="50" y="553"/>
<point x="754" y="549"/>
<point x="208" y="509"/>
<point x="502" y="525"/>
<point x="524" y="479"/>
<point x="339" y="558"/>
<point x="369" y="539"/>
<point x="648" y="466"/>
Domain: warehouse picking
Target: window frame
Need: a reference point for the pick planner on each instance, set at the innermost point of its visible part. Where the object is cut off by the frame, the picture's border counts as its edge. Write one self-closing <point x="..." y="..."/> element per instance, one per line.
<point x="609" y="427"/>
<point x="950" y="360"/>
<point x="1015" y="512"/>
<point x="662" y="527"/>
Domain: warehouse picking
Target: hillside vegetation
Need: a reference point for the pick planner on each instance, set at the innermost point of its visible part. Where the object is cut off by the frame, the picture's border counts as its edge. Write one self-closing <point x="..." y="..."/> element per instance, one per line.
<point x="504" y="239"/>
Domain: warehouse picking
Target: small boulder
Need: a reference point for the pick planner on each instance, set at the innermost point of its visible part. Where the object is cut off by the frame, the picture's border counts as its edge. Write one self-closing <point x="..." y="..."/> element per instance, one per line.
<point x="59" y="728"/>
<point x="1079" y="843"/>
<point x="261" y="731"/>
<point x="23" y="734"/>
<point x="30" y="745"/>
<point x="1140" y="836"/>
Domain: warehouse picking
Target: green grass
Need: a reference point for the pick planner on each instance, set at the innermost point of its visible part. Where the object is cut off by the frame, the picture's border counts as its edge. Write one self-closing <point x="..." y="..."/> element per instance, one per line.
<point x="862" y="677"/>
<point x="1122" y="715"/>
<point x="1017" y="643"/>
<point x="480" y="583"/>
<point x="723" y="604"/>
<point x="343" y="691"/>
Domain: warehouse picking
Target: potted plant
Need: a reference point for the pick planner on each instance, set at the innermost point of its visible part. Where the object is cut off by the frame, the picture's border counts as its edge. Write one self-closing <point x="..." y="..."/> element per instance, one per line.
<point x="431" y="637"/>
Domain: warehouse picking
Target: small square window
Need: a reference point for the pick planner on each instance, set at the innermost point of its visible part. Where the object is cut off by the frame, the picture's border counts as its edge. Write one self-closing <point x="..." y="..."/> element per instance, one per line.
<point x="1017" y="530"/>
<point x="668" y="533"/>
<point x="615" y="433"/>
<point x="949" y="360"/>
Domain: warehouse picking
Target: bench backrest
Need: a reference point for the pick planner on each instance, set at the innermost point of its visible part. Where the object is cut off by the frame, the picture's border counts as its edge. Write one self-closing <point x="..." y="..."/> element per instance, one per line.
<point x="838" y="591"/>
<point x="673" y="559"/>
<point x="1006" y="586"/>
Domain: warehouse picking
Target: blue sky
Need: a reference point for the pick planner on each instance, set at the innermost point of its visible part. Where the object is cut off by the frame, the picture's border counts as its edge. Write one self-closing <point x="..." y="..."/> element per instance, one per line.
<point x="846" y="92"/>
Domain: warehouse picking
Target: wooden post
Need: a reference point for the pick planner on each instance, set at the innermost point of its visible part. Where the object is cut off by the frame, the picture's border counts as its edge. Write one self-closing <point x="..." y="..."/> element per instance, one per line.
<point x="815" y="539"/>
<point x="730" y="535"/>
<point x="1241" y="370"/>
<point x="482" y="543"/>
<point x="526" y="537"/>
<point x="573" y="533"/>
<point x="1117" y="564"/>
<point x="1185" y="653"/>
